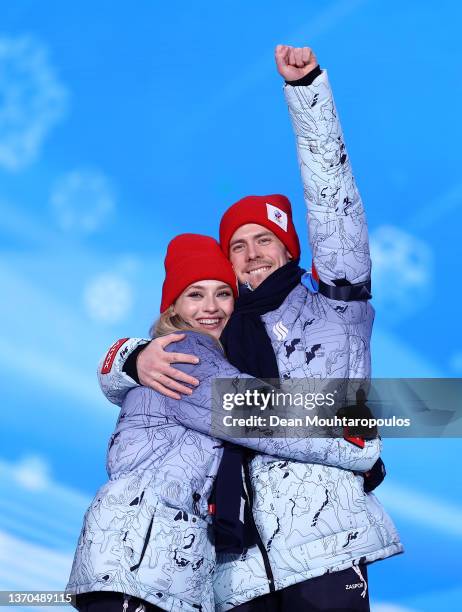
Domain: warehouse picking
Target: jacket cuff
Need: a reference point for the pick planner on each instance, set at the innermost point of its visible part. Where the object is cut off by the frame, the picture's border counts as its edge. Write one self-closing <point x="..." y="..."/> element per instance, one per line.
<point x="307" y="79"/>
<point x="129" y="366"/>
<point x="114" y="382"/>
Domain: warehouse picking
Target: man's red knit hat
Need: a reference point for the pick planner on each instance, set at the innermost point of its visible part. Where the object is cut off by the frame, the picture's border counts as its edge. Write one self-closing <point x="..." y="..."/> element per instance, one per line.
<point x="271" y="211"/>
<point x="191" y="258"/>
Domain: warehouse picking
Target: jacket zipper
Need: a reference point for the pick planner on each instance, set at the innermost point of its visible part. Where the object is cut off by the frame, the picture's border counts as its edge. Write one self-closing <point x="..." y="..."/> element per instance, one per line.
<point x="261" y="547"/>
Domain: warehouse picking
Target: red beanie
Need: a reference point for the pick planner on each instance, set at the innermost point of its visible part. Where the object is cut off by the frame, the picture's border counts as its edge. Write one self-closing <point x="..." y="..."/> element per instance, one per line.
<point x="191" y="258"/>
<point x="272" y="211"/>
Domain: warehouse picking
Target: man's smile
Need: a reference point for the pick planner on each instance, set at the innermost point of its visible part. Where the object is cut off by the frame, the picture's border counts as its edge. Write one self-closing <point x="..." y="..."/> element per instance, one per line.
<point x="259" y="270"/>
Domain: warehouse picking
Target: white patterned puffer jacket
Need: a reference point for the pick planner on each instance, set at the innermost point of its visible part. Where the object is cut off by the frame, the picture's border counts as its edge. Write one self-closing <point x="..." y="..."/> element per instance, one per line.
<point x="314" y="518"/>
<point x="147" y="532"/>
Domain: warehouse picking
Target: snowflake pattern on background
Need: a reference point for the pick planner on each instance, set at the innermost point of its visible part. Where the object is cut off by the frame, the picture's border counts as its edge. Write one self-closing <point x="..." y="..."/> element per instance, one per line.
<point x="32" y="472"/>
<point x="108" y="298"/>
<point x="402" y="273"/>
<point x="32" y="100"/>
<point x="82" y="200"/>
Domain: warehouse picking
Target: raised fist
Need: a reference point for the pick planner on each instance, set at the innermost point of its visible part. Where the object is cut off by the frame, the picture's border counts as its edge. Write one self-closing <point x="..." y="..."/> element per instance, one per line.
<point x="294" y="63"/>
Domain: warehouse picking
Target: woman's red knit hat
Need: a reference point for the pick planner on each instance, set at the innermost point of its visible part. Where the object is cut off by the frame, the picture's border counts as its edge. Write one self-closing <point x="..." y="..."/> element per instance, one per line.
<point x="191" y="258"/>
<point x="271" y="211"/>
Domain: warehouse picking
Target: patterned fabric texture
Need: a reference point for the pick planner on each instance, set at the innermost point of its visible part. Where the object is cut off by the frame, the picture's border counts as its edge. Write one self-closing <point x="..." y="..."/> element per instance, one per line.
<point x="147" y="532"/>
<point x="313" y="517"/>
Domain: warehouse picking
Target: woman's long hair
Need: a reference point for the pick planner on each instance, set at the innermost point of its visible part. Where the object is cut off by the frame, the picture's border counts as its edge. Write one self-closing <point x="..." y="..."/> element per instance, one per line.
<point x="167" y="323"/>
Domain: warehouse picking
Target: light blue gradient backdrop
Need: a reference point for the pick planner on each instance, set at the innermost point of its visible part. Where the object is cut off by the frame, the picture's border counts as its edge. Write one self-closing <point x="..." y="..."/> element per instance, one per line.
<point x="122" y="124"/>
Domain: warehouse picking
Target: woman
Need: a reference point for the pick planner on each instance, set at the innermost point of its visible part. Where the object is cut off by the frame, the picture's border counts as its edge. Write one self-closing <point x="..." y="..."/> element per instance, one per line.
<point x="146" y="542"/>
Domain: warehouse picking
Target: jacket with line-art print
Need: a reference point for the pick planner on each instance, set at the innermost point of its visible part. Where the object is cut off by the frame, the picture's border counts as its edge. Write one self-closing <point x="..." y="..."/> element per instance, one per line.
<point x="312" y="519"/>
<point x="146" y="533"/>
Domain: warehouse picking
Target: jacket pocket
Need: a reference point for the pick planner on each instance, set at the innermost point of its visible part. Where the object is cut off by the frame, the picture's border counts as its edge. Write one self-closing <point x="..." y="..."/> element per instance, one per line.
<point x="116" y="523"/>
<point x="315" y="501"/>
<point x="143" y="549"/>
<point x="178" y="556"/>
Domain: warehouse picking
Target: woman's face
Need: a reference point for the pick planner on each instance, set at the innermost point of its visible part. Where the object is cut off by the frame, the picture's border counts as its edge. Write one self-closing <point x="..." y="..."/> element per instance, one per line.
<point x="206" y="305"/>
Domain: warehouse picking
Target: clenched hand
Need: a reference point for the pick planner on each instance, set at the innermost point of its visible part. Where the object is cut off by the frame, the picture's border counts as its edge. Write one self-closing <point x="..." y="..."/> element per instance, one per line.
<point x="294" y="63"/>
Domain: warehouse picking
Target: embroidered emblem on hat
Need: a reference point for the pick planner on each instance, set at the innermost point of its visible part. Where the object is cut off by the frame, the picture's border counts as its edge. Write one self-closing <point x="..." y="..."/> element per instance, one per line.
<point x="276" y="215"/>
<point x="280" y="331"/>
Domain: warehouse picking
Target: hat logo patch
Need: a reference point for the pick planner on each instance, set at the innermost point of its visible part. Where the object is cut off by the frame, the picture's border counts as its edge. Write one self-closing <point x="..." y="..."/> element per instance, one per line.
<point x="276" y="215"/>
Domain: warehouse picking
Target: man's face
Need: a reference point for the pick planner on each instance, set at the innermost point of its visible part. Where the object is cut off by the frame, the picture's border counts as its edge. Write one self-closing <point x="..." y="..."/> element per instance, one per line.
<point x="255" y="253"/>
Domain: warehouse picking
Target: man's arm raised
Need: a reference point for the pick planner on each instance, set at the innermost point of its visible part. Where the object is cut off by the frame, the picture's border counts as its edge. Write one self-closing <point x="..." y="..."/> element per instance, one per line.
<point x="337" y="222"/>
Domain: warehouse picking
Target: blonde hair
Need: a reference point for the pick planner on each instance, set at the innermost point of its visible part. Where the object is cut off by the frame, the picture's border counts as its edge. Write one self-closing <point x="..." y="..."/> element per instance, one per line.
<point x="169" y="322"/>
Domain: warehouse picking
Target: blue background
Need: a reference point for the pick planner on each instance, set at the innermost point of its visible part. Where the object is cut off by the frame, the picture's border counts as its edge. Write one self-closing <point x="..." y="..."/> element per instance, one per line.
<point x="122" y="124"/>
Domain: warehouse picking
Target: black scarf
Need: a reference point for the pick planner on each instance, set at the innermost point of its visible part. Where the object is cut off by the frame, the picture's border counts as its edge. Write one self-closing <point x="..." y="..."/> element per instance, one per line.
<point x="247" y="345"/>
<point x="248" y="348"/>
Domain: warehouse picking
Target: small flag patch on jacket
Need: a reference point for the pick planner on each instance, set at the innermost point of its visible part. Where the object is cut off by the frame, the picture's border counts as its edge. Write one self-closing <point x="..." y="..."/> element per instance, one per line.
<point x="112" y="352"/>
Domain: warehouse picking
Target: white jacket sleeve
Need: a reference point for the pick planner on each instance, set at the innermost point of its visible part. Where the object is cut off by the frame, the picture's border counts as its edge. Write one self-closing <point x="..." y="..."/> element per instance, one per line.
<point x="336" y="220"/>
<point x="114" y="382"/>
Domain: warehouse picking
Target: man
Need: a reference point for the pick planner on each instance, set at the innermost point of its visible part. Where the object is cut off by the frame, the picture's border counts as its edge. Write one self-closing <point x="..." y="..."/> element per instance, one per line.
<point x="317" y="529"/>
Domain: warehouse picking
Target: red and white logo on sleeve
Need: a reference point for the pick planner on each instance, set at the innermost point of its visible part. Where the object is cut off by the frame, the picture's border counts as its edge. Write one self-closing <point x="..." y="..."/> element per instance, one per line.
<point x="111" y="355"/>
